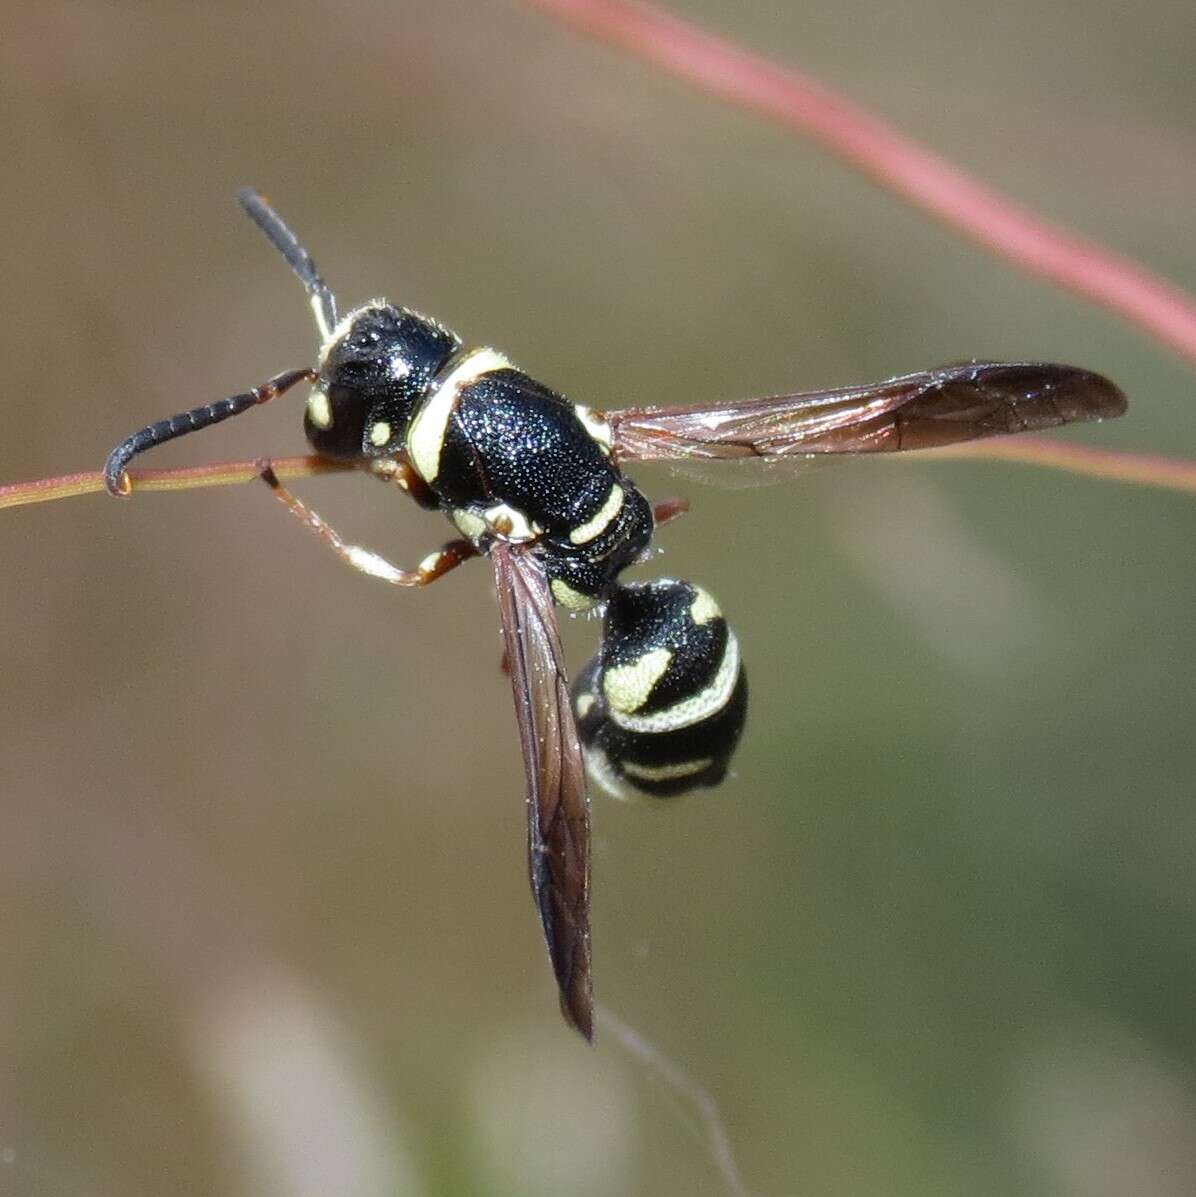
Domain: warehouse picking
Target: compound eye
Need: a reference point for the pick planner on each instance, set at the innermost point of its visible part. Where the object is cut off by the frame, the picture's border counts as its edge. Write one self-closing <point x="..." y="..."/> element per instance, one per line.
<point x="334" y="420"/>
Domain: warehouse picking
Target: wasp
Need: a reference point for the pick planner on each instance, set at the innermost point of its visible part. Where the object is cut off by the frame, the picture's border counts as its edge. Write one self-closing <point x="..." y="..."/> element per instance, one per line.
<point x="536" y="483"/>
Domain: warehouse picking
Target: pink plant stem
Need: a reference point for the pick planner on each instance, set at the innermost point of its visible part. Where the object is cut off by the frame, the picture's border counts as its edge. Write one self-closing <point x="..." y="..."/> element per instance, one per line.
<point x="1137" y="469"/>
<point x="1001" y="225"/>
<point x="1141" y="469"/>
<point x="223" y="473"/>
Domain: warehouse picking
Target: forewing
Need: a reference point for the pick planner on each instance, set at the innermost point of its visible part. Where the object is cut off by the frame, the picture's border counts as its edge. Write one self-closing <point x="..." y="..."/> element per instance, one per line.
<point x="558" y="818"/>
<point x="917" y="411"/>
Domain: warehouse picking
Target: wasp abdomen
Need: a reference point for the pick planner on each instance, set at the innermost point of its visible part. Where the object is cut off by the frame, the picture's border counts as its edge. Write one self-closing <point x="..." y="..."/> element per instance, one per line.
<point x="661" y="708"/>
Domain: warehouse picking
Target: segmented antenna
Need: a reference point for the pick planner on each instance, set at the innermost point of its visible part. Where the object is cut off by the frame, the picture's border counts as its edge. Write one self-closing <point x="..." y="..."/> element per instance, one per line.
<point x="298" y="259"/>
<point x="193" y="421"/>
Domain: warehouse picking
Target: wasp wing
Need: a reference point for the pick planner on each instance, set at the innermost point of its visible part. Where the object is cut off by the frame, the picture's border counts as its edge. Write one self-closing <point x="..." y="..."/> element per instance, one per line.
<point x="916" y="411"/>
<point x="558" y="816"/>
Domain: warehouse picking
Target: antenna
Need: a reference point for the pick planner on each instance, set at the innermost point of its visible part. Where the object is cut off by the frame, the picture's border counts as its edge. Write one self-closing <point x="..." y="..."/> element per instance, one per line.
<point x="192" y="421"/>
<point x="323" y="305"/>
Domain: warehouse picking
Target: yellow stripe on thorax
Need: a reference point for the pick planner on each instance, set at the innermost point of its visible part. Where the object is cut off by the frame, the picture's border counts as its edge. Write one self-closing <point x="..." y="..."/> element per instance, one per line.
<point x="425" y="438"/>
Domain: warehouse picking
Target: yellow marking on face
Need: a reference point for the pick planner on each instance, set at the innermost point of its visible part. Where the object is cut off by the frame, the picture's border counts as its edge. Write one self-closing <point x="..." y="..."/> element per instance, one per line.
<point x="584" y="705"/>
<point x="703" y="609"/>
<point x="666" y="772"/>
<point x="707" y="702"/>
<point x="570" y="599"/>
<point x="425" y="439"/>
<point x="468" y="523"/>
<point x="627" y="686"/>
<point x="379" y="434"/>
<point x="600" y="521"/>
<point x="595" y="424"/>
<point x="319" y="410"/>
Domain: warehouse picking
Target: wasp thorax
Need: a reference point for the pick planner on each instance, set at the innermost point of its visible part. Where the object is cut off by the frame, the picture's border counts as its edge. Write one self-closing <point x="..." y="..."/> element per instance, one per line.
<point x="376" y="366"/>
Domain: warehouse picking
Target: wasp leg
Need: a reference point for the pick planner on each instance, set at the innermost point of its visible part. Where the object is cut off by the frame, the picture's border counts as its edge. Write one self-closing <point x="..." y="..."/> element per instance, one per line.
<point x="434" y="566"/>
<point x="401" y="473"/>
<point x="668" y="510"/>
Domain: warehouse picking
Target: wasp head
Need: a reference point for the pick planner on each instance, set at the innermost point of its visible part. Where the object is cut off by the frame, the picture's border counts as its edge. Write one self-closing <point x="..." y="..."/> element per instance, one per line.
<point x="376" y="366"/>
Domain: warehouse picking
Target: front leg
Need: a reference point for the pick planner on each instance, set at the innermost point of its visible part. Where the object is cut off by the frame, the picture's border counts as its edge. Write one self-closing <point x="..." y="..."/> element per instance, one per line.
<point x="434" y="566"/>
<point x="399" y="471"/>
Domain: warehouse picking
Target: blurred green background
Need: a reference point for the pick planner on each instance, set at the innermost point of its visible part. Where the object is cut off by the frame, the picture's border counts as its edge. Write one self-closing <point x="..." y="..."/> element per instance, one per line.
<point x="266" y="926"/>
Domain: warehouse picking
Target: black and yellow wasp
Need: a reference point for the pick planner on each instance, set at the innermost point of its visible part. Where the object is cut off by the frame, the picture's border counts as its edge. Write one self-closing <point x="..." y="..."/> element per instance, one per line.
<point x="537" y="484"/>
